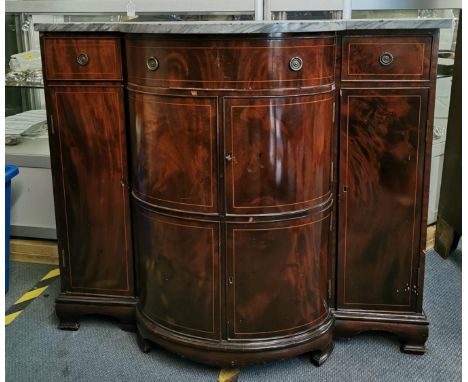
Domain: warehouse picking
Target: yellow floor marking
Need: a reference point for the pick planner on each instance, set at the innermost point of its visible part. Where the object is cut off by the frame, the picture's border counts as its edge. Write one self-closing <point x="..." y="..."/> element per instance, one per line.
<point x="9" y="319"/>
<point x="18" y="307"/>
<point x="228" y="375"/>
<point x="31" y="294"/>
<point x="53" y="273"/>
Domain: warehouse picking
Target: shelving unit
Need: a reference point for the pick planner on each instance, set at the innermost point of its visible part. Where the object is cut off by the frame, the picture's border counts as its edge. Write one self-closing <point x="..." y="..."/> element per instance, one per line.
<point x="32" y="212"/>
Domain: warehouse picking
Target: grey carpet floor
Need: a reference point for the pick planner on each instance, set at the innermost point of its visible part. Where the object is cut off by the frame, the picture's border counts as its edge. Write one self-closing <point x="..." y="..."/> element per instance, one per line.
<point x="37" y="351"/>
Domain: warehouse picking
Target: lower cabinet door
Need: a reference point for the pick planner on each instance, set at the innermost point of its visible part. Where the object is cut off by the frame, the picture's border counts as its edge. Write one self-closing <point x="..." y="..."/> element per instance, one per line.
<point x="382" y="145"/>
<point x="178" y="269"/>
<point x="89" y="167"/>
<point x="277" y="277"/>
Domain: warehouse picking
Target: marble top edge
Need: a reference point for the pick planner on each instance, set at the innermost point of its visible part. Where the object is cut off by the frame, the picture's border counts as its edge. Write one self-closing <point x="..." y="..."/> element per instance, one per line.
<point x="225" y="27"/>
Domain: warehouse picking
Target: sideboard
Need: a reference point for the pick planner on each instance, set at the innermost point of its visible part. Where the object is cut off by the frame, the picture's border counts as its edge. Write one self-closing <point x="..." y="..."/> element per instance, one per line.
<point x="243" y="192"/>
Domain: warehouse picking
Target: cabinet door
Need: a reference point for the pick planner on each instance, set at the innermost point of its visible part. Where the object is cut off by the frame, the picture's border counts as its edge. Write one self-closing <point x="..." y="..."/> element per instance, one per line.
<point x="174" y="143"/>
<point x="382" y="143"/>
<point x="90" y="177"/>
<point x="277" y="276"/>
<point x="178" y="262"/>
<point x="278" y="153"/>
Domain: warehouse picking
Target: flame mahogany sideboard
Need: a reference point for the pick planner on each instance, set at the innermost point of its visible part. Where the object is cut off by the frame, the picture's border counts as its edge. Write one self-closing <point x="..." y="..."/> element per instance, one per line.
<point x="243" y="198"/>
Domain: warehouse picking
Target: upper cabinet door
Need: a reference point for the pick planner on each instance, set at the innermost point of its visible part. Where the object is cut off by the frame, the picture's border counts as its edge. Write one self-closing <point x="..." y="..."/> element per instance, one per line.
<point x="174" y="146"/>
<point x="277" y="153"/>
<point x="90" y="177"/>
<point x="382" y="143"/>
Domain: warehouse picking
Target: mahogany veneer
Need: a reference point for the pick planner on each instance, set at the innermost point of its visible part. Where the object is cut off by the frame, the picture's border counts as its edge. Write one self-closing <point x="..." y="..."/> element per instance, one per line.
<point x="269" y="192"/>
<point x="100" y="55"/>
<point x="410" y="58"/>
<point x="230" y="62"/>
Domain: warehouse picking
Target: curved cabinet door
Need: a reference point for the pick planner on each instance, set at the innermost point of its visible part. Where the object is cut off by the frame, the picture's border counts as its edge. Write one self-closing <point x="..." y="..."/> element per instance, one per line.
<point x="173" y="142"/>
<point x="89" y="163"/>
<point x="382" y="143"/>
<point x="277" y="153"/>
<point x="277" y="277"/>
<point x="178" y="265"/>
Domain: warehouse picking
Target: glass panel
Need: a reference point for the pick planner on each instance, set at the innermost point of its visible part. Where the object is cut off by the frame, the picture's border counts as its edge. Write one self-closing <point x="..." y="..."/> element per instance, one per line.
<point x="306" y="15"/>
<point x="385" y="14"/>
<point x="25" y="116"/>
<point x="154" y="17"/>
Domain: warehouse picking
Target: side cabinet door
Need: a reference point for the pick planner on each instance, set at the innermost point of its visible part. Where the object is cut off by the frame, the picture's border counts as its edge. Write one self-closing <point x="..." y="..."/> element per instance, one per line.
<point x="382" y="142"/>
<point x="89" y="162"/>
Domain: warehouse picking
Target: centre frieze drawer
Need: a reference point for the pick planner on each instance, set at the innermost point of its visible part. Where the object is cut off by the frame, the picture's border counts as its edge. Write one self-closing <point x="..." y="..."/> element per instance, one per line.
<point x="261" y="63"/>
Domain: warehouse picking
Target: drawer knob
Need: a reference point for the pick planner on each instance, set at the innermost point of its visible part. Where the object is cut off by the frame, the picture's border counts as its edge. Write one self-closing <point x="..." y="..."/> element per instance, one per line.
<point x="386" y="58"/>
<point x="82" y="59"/>
<point x="295" y="64"/>
<point x="152" y="63"/>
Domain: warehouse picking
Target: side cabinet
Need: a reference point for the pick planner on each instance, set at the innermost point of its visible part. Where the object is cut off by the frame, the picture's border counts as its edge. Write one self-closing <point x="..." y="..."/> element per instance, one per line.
<point x="89" y="166"/>
<point x="385" y="133"/>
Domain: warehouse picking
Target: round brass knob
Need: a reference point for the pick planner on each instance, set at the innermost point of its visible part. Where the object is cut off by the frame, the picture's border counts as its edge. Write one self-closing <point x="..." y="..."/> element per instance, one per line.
<point x="386" y="58"/>
<point x="152" y="63"/>
<point x="82" y="59"/>
<point x="295" y="64"/>
<point x="229" y="157"/>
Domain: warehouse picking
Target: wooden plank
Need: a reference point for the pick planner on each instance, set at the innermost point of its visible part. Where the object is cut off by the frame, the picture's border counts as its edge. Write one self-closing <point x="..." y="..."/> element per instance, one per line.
<point x="430" y="236"/>
<point x="34" y="251"/>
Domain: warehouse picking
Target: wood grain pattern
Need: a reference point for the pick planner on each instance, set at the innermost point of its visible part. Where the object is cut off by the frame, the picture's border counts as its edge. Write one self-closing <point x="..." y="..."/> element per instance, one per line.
<point x="274" y="266"/>
<point x="60" y="58"/>
<point x="412" y="58"/>
<point x="89" y="143"/>
<point x="381" y="150"/>
<point x="178" y="262"/>
<point x="34" y="251"/>
<point x="281" y="153"/>
<point x="174" y="141"/>
<point x="230" y="63"/>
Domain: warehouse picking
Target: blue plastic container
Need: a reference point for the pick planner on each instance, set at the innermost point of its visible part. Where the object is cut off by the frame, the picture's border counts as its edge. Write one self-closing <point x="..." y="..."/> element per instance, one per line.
<point x="10" y="172"/>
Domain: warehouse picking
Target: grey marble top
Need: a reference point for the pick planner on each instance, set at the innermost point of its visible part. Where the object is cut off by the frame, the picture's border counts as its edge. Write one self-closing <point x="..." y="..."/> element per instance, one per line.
<point x="224" y="27"/>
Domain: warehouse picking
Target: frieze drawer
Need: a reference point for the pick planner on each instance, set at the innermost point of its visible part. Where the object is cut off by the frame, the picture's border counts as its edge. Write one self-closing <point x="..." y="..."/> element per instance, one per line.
<point x="82" y="58"/>
<point x="406" y="58"/>
<point x="262" y="63"/>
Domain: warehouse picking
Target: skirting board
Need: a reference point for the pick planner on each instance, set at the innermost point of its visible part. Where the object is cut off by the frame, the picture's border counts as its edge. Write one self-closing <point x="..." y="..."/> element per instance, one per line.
<point x="34" y="251"/>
